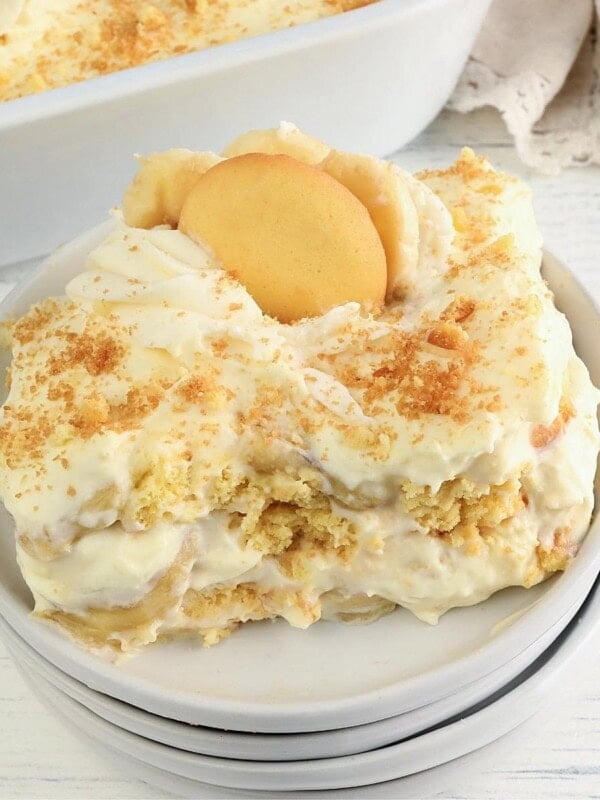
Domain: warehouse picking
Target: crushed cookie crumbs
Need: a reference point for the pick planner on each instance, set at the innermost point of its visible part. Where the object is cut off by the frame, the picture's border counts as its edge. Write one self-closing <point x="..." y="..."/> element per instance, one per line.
<point x="97" y="354"/>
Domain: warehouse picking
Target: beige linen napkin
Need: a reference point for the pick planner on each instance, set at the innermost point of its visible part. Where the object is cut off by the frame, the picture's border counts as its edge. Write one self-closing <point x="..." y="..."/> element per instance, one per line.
<point x="538" y="63"/>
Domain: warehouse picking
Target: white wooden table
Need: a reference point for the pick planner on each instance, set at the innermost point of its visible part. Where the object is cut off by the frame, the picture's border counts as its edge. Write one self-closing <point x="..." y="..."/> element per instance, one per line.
<point x="556" y="754"/>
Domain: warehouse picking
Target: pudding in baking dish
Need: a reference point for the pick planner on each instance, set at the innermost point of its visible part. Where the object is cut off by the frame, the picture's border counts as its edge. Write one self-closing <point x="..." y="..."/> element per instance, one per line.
<point x="300" y="383"/>
<point x="45" y="44"/>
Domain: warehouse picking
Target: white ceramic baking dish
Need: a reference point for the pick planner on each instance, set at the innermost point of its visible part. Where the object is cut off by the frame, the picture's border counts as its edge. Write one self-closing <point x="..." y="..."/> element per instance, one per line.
<point x="367" y="80"/>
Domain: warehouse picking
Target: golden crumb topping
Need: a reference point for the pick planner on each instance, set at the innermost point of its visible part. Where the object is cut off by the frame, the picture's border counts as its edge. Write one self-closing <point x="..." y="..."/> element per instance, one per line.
<point x="95" y="353"/>
<point x="543" y="435"/>
<point x="426" y="372"/>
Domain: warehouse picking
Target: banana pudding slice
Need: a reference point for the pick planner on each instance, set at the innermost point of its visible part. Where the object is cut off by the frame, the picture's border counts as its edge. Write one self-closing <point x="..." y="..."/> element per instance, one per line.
<point x="296" y="382"/>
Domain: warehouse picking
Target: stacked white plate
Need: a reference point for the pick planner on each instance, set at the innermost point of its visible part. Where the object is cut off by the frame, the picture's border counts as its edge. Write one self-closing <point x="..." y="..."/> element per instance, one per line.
<point x="275" y="709"/>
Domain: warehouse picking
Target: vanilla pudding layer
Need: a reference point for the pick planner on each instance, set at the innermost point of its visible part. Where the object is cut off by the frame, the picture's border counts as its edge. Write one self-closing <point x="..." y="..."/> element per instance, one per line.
<point x="45" y="44"/>
<point x="178" y="462"/>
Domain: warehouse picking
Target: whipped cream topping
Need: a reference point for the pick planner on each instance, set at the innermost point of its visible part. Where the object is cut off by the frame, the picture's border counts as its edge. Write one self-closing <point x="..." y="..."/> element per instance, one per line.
<point x="9" y="13"/>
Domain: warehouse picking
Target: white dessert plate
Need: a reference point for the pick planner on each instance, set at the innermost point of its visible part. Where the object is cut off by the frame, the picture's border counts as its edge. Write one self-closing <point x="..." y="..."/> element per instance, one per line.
<point x="287" y="746"/>
<point x="508" y="709"/>
<point x="332" y="675"/>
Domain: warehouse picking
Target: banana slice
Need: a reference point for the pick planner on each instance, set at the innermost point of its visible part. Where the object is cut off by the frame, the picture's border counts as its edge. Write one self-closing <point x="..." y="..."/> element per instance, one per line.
<point x="286" y="140"/>
<point x="158" y="191"/>
<point x="381" y="188"/>
<point x="298" y="240"/>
